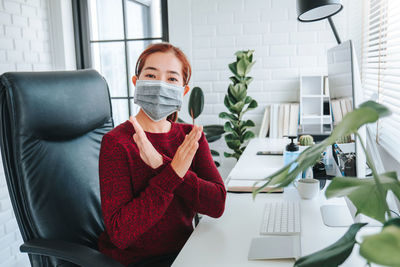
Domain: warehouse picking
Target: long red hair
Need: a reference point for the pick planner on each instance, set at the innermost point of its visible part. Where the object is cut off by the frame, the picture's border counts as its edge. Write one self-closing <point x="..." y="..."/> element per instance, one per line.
<point x="166" y="47"/>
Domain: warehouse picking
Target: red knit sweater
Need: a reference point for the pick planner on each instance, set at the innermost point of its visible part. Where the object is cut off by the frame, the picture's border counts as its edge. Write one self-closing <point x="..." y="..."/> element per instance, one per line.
<point x="150" y="211"/>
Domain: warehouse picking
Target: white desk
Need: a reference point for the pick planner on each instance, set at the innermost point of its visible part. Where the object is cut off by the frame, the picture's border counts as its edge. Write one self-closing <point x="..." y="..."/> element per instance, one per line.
<point x="225" y="241"/>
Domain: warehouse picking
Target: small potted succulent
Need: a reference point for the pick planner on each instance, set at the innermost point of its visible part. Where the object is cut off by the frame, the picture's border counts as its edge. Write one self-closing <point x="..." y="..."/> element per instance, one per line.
<point x="346" y="144"/>
<point x="305" y="141"/>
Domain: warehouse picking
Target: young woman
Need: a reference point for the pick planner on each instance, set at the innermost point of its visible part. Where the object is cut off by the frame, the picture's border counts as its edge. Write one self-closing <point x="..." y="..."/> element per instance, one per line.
<point x="155" y="174"/>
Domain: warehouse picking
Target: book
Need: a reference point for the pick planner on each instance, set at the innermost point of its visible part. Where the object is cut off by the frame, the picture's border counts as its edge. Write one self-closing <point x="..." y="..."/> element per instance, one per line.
<point x="336" y="111"/>
<point x="281" y="112"/>
<point x="349" y="105"/>
<point x="293" y="119"/>
<point x="286" y="108"/>
<point x="326" y="86"/>
<point x="246" y="186"/>
<point x="343" y="106"/>
<point x="274" y="121"/>
<point x="265" y="123"/>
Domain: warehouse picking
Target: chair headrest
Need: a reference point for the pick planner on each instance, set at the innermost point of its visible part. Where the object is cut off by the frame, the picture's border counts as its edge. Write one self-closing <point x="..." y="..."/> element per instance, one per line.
<point x="57" y="105"/>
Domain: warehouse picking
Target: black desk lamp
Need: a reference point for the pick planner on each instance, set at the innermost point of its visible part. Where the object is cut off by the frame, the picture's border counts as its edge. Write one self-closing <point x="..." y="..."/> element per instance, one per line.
<point x="313" y="10"/>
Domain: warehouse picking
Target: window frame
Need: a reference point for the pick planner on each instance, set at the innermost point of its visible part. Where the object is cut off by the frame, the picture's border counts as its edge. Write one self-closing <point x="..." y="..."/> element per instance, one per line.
<point x="80" y="13"/>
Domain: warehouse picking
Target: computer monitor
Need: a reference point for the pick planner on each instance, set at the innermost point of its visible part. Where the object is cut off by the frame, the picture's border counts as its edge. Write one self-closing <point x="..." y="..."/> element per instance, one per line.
<point x="346" y="94"/>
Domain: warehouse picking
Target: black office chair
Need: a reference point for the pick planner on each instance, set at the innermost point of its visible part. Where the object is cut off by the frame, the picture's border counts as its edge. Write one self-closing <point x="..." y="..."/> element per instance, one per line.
<point x="51" y="128"/>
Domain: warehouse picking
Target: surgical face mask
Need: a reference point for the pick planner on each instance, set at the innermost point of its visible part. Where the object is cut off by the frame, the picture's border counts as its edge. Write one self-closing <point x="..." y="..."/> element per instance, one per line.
<point x="158" y="99"/>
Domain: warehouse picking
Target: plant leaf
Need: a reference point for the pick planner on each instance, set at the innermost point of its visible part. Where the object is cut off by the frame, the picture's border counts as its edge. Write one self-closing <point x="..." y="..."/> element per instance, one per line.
<point x="248" y="135"/>
<point x="379" y="108"/>
<point x="237" y="91"/>
<point x="214" y="152"/>
<point x="383" y="248"/>
<point x="213" y="138"/>
<point x="248" y="69"/>
<point x="233" y="144"/>
<point x="248" y="80"/>
<point x="228" y="127"/>
<point x="275" y="178"/>
<point x="227" y="155"/>
<point x="196" y="102"/>
<point x="232" y="67"/>
<point x="248" y="99"/>
<point x="240" y="54"/>
<point x="213" y="129"/>
<point x="363" y="193"/>
<point x="246" y="124"/>
<point x="253" y="104"/>
<point x="241" y="67"/>
<point x="238" y="107"/>
<point x="180" y="120"/>
<point x="241" y="91"/>
<point x="227" y="101"/>
<point x="225" y="115"/>
<point x="393" y="221"/>
<point x="335" y="254"/>
<point x="234" y="79"/>
<point x="352" y="121"/>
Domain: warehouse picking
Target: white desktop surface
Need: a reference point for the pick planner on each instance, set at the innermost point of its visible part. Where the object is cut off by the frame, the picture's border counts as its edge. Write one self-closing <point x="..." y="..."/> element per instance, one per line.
<point x="225" y="241"/>
<point x="255" y="167"/>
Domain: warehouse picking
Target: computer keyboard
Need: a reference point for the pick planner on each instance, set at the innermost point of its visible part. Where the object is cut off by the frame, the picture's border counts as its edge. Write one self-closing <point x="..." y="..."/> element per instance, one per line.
<point x="281" y="218"/>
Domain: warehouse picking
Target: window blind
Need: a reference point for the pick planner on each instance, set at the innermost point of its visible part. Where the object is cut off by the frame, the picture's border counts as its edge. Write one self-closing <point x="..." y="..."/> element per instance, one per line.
<point x="381" y="67"/>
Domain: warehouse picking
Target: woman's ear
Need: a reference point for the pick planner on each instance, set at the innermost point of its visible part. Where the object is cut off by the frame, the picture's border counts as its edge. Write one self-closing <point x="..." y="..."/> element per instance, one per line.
<point x="186" y="89"/>
<point x="134" y="79"/>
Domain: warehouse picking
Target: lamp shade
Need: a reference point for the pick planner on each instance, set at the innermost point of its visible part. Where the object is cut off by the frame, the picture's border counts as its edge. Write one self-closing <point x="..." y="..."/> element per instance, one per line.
<point x="313" y="10"/>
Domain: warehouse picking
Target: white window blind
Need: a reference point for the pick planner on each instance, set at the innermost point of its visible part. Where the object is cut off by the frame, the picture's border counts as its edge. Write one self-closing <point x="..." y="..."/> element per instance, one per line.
<point x="381" y="67"/>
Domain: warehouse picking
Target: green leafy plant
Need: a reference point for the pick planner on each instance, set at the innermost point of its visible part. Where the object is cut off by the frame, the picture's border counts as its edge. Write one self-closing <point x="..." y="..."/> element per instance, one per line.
<point x="238" y="103"/>
<point x="195" y="108"/>
<point x="367" y="194"/>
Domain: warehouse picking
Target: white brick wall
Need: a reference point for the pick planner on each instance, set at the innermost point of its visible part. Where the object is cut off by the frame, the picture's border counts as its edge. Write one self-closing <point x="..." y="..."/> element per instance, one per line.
<point x="284" y="50"/>
<point x="24" y="46"/>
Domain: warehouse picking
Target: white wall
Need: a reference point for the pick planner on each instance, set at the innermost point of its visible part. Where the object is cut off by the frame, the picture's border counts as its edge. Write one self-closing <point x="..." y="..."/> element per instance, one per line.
<point x="24" y="46"/>
<point x="211" y="31"/>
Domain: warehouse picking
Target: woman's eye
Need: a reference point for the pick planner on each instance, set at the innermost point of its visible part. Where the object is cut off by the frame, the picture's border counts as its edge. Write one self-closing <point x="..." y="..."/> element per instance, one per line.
<point x="172" y="79"/>
<point x="150" y="76"/>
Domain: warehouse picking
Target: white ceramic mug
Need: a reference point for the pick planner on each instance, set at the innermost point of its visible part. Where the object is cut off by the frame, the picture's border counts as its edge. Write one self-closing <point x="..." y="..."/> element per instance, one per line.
<point x="308" y="188"/>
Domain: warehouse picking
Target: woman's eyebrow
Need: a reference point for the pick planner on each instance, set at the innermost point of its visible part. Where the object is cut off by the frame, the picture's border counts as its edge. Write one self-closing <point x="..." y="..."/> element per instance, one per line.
<point x="150" y="68"/>
<point x="174" y="72"/>
<point x="170" y="71"/>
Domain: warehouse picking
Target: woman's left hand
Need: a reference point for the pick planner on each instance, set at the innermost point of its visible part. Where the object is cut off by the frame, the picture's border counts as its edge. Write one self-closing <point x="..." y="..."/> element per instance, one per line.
<point x="147" y="151"/>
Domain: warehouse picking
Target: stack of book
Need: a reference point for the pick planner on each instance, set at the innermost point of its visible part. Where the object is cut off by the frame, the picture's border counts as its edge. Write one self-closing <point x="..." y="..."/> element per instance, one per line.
<point x="340" y="107"/>
<point x="280" y="120"/>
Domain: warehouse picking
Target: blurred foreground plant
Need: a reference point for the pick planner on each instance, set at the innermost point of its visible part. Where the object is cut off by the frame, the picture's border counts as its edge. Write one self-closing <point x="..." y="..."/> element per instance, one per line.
<point x="367" y="194"/>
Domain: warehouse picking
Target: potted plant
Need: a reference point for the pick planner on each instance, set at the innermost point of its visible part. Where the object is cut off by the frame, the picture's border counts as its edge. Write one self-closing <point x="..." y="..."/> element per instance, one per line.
<point x="367" y="194"/>
<point x="346" y="144"/>
<point x="305" y="141"/>
<point x="238" y="103"/>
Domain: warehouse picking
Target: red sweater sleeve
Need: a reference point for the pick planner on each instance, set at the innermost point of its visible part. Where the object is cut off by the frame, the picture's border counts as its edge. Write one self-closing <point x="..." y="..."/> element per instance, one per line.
<point x="126" y="216"/>
<point x="203" y="188"/>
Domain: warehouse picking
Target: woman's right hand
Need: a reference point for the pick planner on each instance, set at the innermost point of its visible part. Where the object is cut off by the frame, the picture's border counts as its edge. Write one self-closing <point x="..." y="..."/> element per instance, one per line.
<point x="184" y="155"/>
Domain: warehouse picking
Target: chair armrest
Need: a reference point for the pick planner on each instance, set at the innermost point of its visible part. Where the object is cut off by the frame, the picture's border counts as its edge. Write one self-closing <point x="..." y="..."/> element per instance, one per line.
<point x="71" y="252"/>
